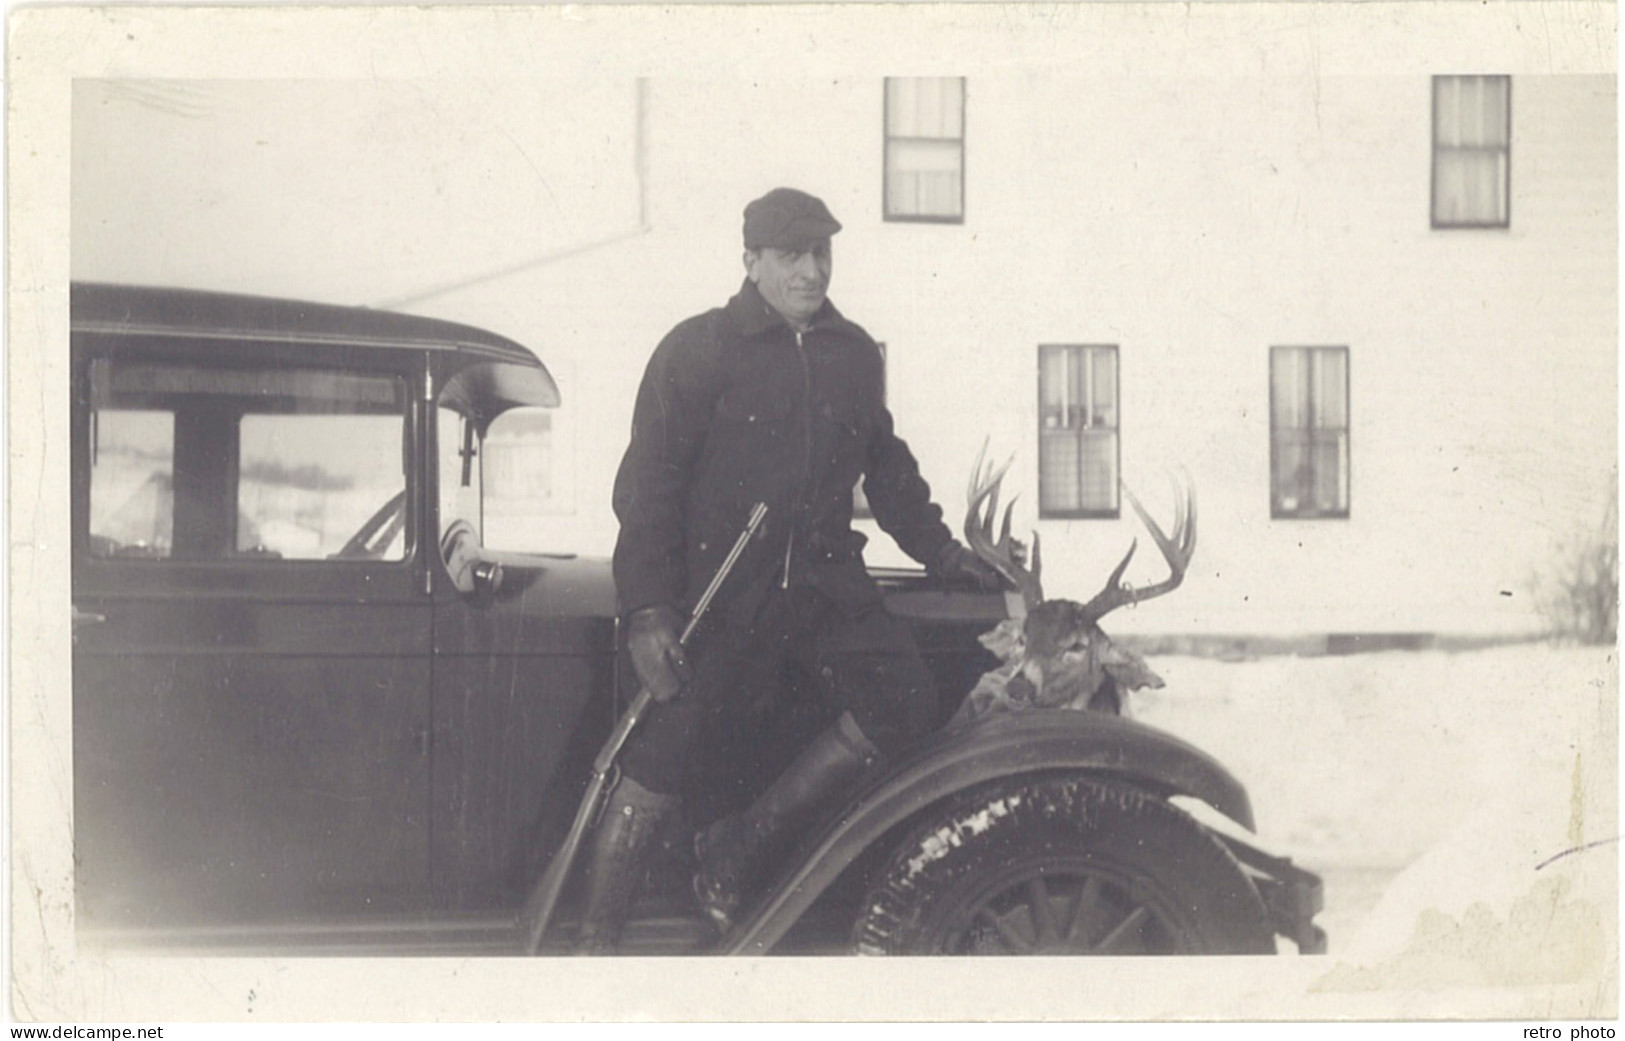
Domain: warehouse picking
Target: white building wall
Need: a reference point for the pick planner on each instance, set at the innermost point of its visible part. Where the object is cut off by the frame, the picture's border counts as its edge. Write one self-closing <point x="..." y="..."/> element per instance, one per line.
<point x="1194" y="221"/>
<point x="1197" y="223"/>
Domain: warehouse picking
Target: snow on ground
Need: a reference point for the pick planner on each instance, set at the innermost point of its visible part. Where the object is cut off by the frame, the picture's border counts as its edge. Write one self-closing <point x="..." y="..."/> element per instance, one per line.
<point x="1415" y="782"/>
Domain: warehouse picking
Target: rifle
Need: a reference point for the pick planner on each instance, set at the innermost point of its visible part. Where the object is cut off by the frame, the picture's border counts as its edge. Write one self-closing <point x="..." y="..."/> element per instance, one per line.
<point x="538" y="911"/>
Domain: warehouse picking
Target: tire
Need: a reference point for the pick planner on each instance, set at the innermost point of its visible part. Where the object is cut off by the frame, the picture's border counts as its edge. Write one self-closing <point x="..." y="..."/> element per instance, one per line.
<point x="1119" y="871"/>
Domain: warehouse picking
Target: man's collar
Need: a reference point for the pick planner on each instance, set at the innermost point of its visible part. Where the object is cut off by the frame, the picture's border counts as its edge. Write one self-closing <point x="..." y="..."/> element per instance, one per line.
<point x="754" y="316"/>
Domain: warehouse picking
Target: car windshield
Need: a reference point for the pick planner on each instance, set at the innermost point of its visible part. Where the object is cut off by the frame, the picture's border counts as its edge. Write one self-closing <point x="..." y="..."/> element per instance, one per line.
<point x="507" y="483"/>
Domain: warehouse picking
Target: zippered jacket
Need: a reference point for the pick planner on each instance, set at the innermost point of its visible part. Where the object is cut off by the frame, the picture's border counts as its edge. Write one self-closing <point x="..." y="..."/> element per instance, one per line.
<point x="737" y="408"/>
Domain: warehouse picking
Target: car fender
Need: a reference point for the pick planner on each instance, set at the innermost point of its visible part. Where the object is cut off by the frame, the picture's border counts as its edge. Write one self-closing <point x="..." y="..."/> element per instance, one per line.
<point x="1004" y="746"/>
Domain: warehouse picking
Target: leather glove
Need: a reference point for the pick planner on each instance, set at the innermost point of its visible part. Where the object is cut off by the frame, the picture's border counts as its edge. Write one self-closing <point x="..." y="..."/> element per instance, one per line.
<point x="657" y="655"/>
<point x="957" y="563"/>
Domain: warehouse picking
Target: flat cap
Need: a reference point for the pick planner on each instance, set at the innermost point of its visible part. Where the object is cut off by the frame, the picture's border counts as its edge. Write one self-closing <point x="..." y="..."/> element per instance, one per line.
<point x="785" y="218"/>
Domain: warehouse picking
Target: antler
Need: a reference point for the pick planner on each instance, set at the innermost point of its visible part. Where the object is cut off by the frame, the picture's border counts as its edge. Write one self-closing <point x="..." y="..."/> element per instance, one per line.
<point x="1176" y="550"/>
<point x="1005" y="554"/>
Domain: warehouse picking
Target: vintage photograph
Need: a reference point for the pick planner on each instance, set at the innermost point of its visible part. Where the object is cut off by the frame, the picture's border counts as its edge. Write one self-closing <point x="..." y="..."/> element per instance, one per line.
<point x="866" y="490"/>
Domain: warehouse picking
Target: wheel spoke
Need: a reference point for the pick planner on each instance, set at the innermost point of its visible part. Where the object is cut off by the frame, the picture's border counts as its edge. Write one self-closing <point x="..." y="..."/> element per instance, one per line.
<point x="1109" y="943"/>
<point x="1043" y="913"/>
<point x="1007" y="932"/>
<point x="1088" y="896"/>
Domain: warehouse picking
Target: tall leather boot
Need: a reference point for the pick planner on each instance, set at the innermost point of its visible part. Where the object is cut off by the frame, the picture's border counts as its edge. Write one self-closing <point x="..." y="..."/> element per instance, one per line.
<point x="733" y="851"/>
<point x="619" y="856"/>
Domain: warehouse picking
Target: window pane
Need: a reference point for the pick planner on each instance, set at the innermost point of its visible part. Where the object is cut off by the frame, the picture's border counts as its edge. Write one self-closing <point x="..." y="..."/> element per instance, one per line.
<point x="928" y="114"/>
<point x="1329" y="369"/>
<point x="923" y="178"/>
<point x="1292" y="471"/>
<point x="1471" y="132"/>
<point x="1098" y="479"/>
<point x="1447" y="111"/>
<point x="132" y="496"/>
<point x="457" y="500"/>
<point x="1471" y="111"/>
<point x="519" y="463"/>
<point x="925" y="107"/>
<point x="309" y="484"/>
<point x="946" y="117"/>
<point x="1288" y="395"/>
<point x="1330" y="493"/>
<point x="1104" y="396"/>
<point x="526" y="474"/>
<point x="1471" y="187"/>
<point x="1058" y="490"/>
<point x="1078" y="392"/>
<point x="1479" y="117"/>
<point x="1496" y="108"/>
<point x="1052" y="387"/>
<point x="902" y="102"/>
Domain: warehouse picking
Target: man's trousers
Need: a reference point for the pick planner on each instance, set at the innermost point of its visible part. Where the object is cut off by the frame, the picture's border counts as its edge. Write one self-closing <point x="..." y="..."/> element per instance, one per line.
<point x="800" y="645"/>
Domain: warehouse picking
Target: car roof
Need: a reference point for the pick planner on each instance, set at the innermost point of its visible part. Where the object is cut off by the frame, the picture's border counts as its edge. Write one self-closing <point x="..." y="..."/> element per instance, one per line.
<point x="105" y="307"/>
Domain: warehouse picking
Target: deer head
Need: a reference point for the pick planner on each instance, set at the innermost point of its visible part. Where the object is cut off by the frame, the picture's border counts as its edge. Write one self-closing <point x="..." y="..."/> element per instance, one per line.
<point x="1057" y="655"/>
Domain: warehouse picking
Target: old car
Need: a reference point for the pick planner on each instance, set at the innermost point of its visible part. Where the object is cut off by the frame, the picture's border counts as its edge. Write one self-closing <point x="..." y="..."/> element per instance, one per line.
<point x="313" y="711"/>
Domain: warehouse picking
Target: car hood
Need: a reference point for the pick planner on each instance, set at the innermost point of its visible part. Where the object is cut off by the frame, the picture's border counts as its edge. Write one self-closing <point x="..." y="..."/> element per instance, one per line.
<point x="562" y="584"/>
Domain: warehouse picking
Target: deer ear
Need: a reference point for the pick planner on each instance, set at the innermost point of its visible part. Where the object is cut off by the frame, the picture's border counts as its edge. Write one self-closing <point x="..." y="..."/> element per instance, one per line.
<point x="1005" y="640"/>
<point x="1129" y="669"/>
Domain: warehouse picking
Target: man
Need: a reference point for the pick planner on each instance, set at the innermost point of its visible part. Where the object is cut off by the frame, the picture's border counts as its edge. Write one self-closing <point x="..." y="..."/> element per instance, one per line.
<point x="773" y="398"/>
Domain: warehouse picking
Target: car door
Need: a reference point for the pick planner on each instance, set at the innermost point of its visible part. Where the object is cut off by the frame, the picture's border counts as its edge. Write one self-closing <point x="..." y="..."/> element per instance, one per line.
<point x="251" y="631"/>
<point x="523" y="677"/>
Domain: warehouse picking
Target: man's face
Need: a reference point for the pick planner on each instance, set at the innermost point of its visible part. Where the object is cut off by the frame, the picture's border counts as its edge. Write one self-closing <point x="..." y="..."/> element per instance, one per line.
<point x="792" y="281"/>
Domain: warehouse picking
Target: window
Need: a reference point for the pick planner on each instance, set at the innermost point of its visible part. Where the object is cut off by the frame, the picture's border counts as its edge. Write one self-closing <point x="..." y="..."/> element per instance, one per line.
<point x="278" y="464"/>
<point x="460" y="470"/>
<point x="309" y="483"/>
<point x="520" y="461"/>
<point x="925" y="149"/>
<point x="1077" y="431"/>
<point x="1472" y="134"/>
<point x="132" y="486"/>
<point x="1309" y="432"/>
<point x="527" y="477"/>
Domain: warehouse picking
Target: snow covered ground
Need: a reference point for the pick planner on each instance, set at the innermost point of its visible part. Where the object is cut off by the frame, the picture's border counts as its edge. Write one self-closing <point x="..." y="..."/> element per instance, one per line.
<point x="1430" y="789"/>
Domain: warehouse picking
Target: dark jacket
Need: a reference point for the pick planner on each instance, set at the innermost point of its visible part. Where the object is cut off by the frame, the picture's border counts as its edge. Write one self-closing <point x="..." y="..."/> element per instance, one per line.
<point x="735" y="408"/>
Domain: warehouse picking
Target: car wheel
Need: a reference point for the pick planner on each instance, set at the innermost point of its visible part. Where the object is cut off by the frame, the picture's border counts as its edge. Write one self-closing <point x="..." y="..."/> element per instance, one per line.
<point x="1062" y="866"/>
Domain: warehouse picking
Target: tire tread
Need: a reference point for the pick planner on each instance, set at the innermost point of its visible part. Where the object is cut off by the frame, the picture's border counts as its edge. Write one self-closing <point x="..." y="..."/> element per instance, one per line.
<point x="1136" y="831"/>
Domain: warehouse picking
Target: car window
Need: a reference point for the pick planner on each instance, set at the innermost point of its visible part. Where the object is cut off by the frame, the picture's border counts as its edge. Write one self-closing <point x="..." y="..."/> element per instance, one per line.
<point x="291" y="464"/>
<point x="132" y="500"/>
<point x="521" y="477"/>
<point x="308" y="484"/>
<point x="459" y="498"/>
